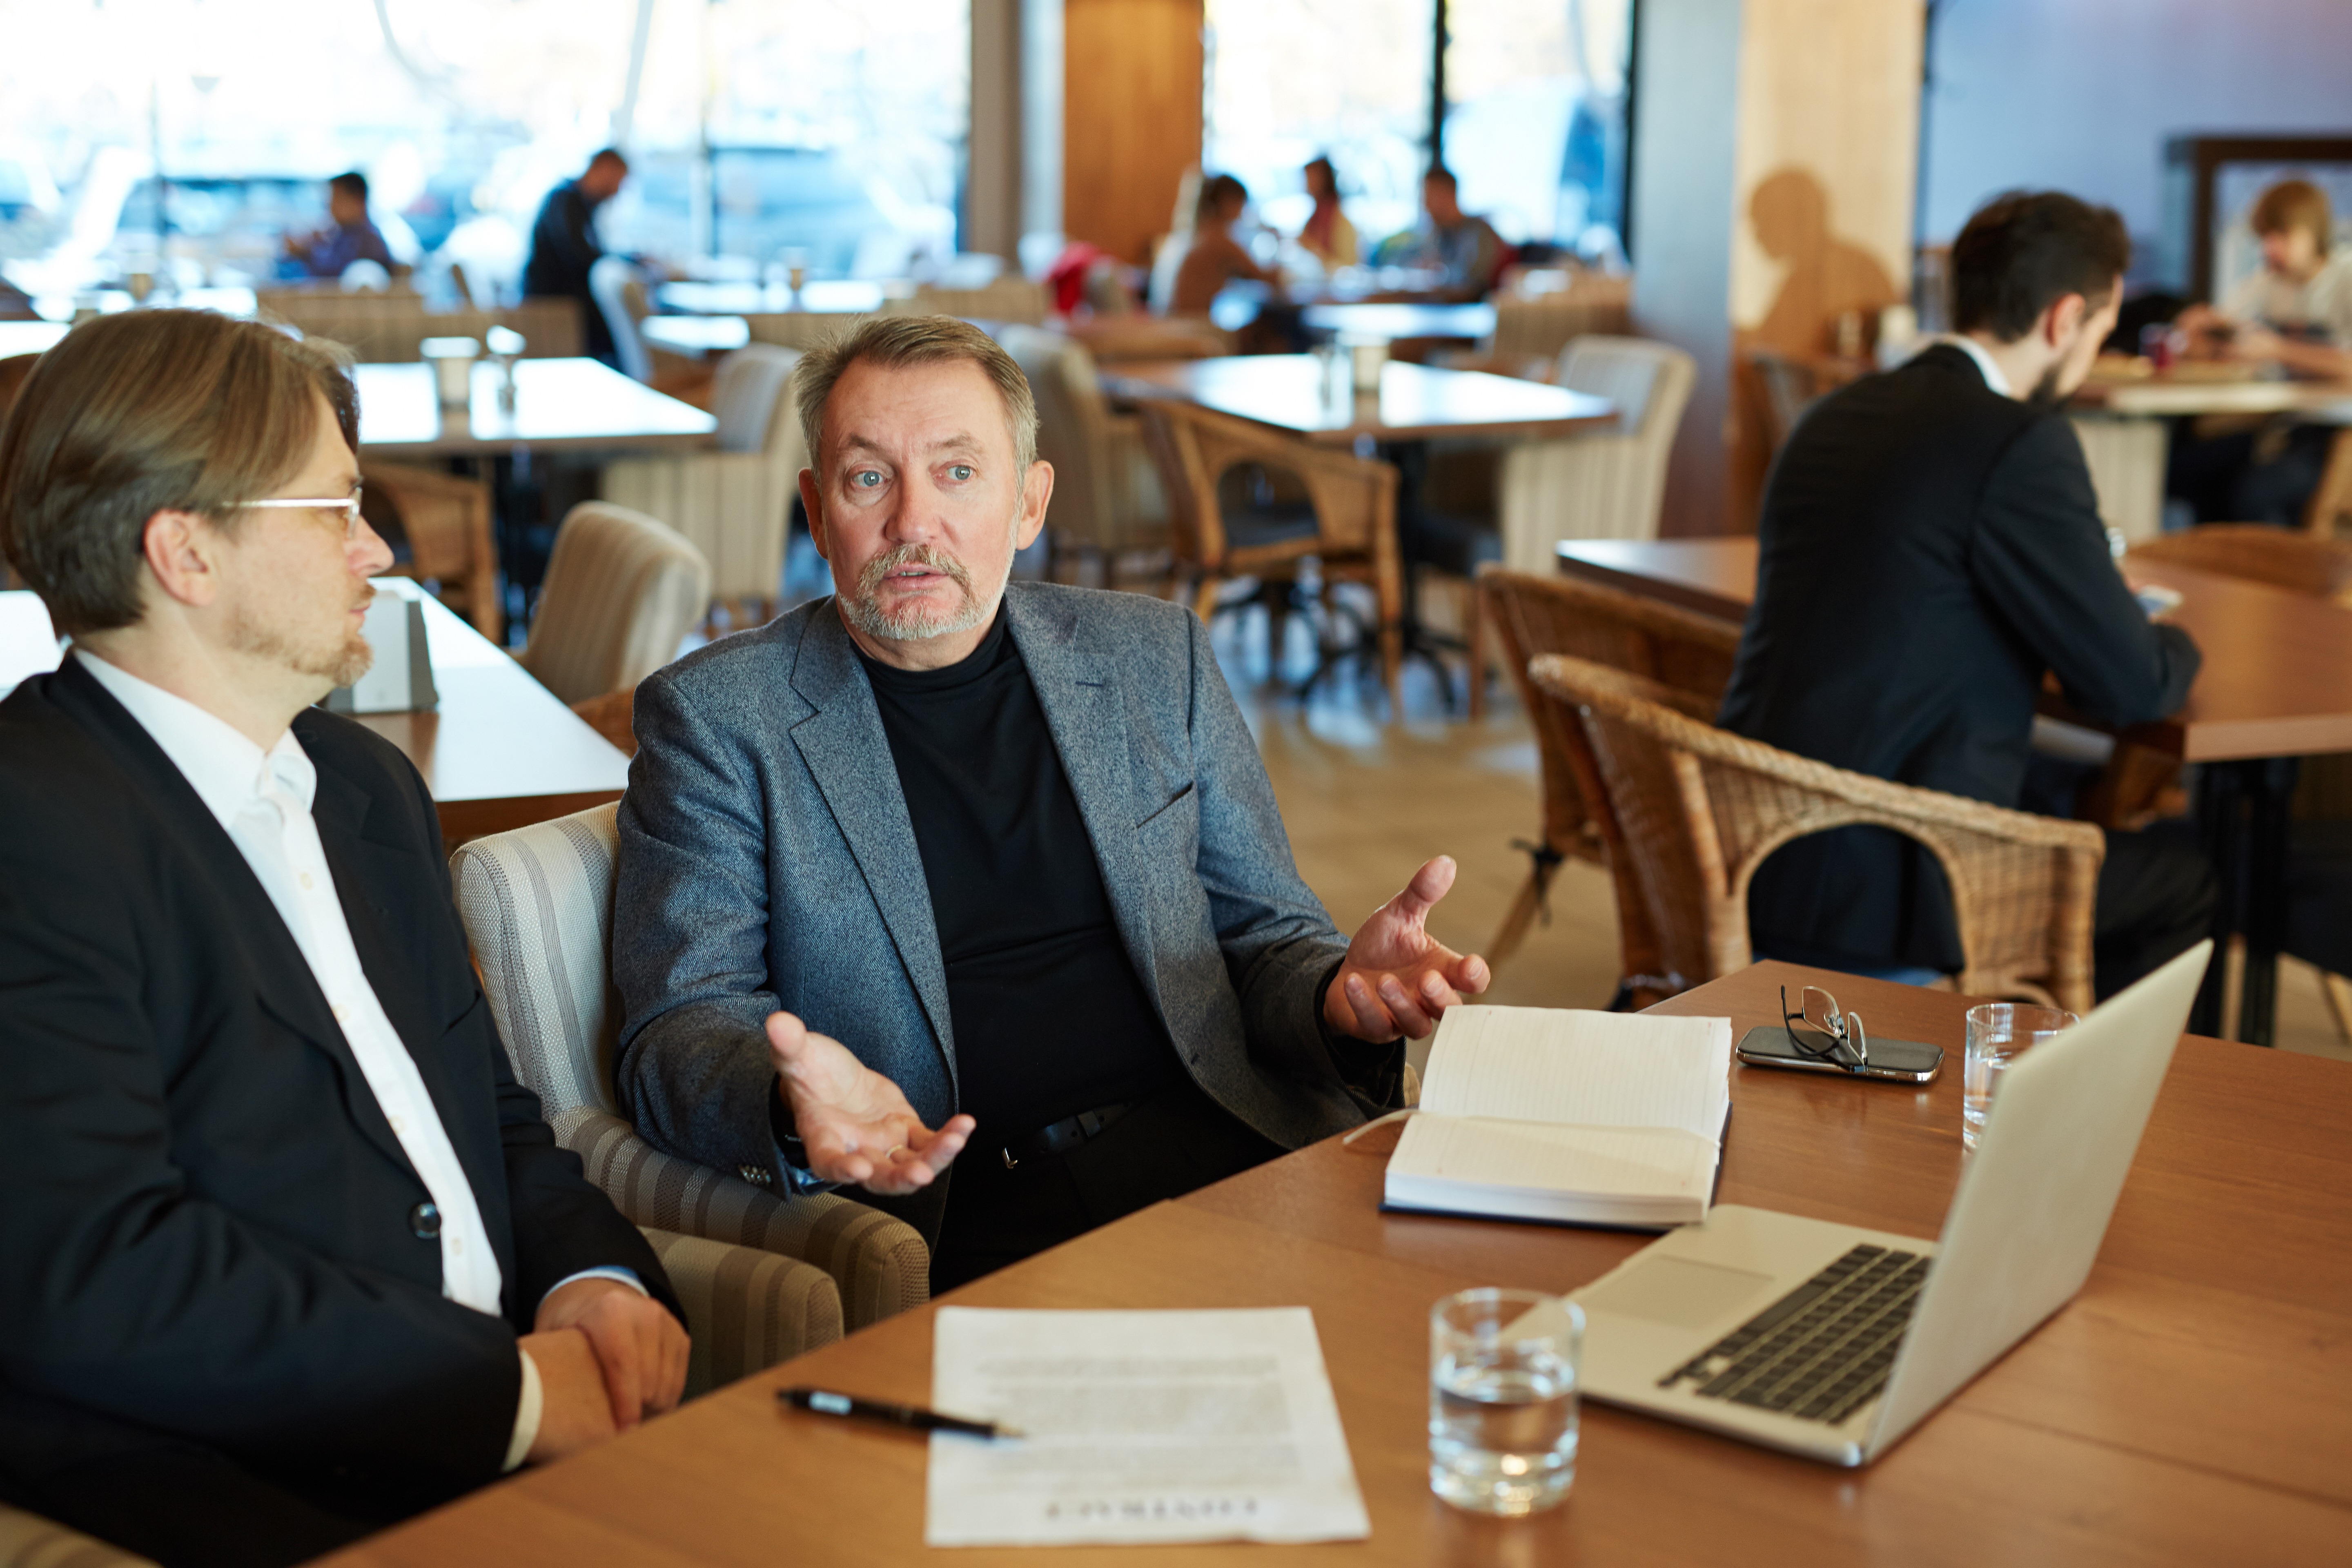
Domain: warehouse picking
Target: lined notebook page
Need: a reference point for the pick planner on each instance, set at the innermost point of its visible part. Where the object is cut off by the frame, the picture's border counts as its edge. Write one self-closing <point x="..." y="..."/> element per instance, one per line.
<point x="1586" y="1069"/>
<point x="1531" y="1156"/>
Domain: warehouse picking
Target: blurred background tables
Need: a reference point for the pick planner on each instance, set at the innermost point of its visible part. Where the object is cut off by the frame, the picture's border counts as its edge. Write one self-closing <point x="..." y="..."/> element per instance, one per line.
<point x="696" y="337"/>
<point x="819" y="296"/>
<point x="560" y="405"/>
<point x="1308" y="397"/>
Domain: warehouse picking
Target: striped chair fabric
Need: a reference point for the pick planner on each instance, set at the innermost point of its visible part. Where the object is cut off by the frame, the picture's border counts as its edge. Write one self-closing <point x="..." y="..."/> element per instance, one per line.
<point x="621" y="591"/>
<point x="29" y="1540"/>
<point x="538" y="905"/>
<point x="735" y="504"/>
<point x="1608" y="484"/>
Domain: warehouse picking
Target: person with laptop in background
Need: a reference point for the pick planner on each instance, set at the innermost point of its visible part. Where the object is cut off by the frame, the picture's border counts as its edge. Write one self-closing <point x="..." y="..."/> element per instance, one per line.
<point x="1930" y="550"/>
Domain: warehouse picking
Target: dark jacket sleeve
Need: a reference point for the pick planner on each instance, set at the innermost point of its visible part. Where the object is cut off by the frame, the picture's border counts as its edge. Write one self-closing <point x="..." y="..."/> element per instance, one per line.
<point x="564" y="245"/>
<point x="128" y="1293"/>
<point x="2040" y="558"/>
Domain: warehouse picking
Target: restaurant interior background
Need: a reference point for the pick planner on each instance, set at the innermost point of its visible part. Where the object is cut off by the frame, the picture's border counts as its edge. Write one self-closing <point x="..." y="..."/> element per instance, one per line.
<point x="1752" y="173"/>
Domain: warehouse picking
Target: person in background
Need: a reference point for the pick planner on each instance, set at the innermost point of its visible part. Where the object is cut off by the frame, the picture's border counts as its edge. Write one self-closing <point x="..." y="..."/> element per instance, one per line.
<point x="289" y="1253"/>
<point x="347" y="237"/>
<point x="1930" y="550"/>
<point x="2296" y="312"/>
<point x="563" y="244"/>
<point x="1326" y="235"/>
<point x="1466" y="248"/>
<point x="1216" y="258"/>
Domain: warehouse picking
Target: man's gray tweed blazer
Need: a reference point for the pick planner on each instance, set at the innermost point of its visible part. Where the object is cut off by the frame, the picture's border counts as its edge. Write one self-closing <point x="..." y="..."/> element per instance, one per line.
<point x="767" y="861"/>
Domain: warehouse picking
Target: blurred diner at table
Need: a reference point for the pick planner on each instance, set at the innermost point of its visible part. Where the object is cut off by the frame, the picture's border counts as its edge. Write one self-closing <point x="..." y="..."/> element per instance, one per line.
<point x="1215" y="258"/>
<point x="349" y="235"/>
<point x="1326" y="235"/>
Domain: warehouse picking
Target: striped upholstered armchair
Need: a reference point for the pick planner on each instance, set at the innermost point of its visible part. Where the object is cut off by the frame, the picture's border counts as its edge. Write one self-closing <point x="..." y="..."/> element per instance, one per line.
<point x="538" y="907"/>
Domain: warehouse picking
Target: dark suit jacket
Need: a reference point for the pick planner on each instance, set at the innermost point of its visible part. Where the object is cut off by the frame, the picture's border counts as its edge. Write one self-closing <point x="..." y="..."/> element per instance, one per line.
<point x="206" y="1217"/>
<point x="1930" y="549"/>
<point x="564" y="246"/>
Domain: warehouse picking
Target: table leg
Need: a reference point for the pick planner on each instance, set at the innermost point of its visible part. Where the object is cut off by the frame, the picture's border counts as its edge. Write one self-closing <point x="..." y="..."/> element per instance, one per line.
<point x="1411" y="459"/>
<point x="2244" y="810"/>
<point x="2220" y="821"/>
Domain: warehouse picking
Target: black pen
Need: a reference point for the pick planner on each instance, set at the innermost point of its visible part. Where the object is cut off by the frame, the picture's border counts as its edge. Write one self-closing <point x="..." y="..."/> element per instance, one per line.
<point x="824" y="1401"/>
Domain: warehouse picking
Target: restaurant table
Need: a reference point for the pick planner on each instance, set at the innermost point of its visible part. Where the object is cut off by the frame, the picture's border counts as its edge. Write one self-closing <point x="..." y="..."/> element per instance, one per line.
<point x="2192" y="1404"/>
<point x="2162" y="396"/>
<point x="821" y="296"/>
<point x="561" y="405"/>
<point x="501" y="751"/>
<point x="29" y="337"/>
<point x="1416" y="403"/>
<point x="2275" y="685"/>
<point x="1388" y="322"/>
<point x="695" y="336"/>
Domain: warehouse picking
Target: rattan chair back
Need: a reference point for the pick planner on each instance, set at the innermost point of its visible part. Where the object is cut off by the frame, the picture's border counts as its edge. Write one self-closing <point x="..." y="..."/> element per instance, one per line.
<point x="1700" y="808"/>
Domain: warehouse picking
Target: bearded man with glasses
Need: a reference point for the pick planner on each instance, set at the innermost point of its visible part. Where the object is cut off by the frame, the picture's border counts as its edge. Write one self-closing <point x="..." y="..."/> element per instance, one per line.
<point x="290" y="1255"/>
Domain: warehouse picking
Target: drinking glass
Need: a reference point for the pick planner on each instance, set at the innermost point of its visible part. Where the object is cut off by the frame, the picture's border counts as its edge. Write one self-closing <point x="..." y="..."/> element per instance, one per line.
<point x="1502" y="1399"/>
<point x="1999" y="1033"/>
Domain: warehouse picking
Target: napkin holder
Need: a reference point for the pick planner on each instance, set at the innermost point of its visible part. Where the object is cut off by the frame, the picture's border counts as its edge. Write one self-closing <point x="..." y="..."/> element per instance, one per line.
<point x="401" y="679"/>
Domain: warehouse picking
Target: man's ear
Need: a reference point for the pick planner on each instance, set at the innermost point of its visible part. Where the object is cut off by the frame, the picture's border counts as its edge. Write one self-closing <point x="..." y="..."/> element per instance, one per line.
<point x="813" y="503"/>
<point x="2064" y="319"/>
<point x="182" y="552"/>
<point x="1036" y="493"/>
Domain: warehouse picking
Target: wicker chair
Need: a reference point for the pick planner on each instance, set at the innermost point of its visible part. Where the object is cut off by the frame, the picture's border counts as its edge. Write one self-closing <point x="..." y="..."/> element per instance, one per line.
<point x="1690" y="654"/>
<point x="537" y="904"/>
<point x="2330" y="509"/>
<point x="447" y="521"/>
<point x="1353" y="499"/>
<point x="1701" y="808"/>
<point x="2309" y="564"/>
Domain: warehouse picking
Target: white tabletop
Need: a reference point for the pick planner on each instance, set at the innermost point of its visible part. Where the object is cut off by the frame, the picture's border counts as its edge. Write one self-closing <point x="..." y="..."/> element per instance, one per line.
<point x="29" y="337"/>
<point x="696" y="335"/>
<point x="560" y="404"/>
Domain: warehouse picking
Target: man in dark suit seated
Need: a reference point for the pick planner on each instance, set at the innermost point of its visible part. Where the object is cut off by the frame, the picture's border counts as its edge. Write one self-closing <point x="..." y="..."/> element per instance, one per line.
<point x="946" y="858"/>
<point x="1931" y="548"/>
<point x="289" y="1254"/>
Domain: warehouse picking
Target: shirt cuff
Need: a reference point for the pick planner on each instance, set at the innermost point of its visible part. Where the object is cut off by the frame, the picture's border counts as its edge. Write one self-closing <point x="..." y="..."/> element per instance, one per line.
<point x="625" y="1276"/>
<point x="528" y="1410"/>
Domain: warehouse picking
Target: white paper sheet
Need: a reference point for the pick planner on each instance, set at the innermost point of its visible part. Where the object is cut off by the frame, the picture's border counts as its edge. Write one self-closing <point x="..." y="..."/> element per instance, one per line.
<point x="1140" y="1427"/>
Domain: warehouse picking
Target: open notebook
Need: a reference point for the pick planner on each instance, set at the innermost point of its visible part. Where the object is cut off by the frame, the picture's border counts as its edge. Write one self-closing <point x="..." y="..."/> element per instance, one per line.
<point x="1576" y="1118"/>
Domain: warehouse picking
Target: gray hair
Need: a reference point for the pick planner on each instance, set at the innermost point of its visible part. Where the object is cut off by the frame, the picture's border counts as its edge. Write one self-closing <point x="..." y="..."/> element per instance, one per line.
<point x="896" y="342"/>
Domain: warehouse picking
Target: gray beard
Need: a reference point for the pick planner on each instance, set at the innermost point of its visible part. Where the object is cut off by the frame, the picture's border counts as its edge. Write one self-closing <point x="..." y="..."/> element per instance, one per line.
<point x="914" y="624"/>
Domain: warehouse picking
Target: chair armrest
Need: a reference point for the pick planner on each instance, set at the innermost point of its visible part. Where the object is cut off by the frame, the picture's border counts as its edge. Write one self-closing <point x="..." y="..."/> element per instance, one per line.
<point x="879" y="1263"/>
<point x="746" y="1309"/>
<point x="29" y="1540"/>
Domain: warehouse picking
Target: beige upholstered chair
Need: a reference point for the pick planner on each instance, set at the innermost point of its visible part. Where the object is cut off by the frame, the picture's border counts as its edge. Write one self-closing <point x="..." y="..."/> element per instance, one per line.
<point x="1351" y="533"/>
<point x="1107" y="498"/>
<point x="1008" y="298"/>
<point x="1607" y="484"/>
<point x="802" y="331"/>
<point x="447" y="521"/>
<point x="538" y="908"/>
<point x="386" y="329"/>
<point x="735" y="504"/>
<point x="1688" y="654"/>
<point x="1538" y="326"/>
<point x="619" y="289"/>
<point x="1700" y="808"/>
<point x="621" y="591"/>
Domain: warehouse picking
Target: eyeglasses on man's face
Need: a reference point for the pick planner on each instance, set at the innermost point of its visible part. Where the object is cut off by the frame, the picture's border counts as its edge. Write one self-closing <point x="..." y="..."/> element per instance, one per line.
<point x="1829" y="1027"/>
<point x="345" y="507"/>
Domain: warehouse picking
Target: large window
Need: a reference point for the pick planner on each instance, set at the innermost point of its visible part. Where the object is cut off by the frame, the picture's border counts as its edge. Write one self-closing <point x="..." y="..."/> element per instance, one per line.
<point x="1535" y="114"/>
<point x="753" y="124"/>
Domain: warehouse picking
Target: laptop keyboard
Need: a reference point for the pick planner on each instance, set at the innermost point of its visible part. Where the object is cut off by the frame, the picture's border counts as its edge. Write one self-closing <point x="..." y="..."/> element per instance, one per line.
<point x="1821" y="1352"/>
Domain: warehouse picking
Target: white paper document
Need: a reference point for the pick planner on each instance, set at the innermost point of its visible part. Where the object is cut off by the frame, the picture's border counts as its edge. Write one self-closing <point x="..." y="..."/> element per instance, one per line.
<point x="1139" y="1427"/>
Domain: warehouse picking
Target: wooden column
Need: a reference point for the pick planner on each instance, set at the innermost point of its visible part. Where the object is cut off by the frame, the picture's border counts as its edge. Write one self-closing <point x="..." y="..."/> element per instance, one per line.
<point x="1130" y="117"/>
<point x="1774" y="161"/>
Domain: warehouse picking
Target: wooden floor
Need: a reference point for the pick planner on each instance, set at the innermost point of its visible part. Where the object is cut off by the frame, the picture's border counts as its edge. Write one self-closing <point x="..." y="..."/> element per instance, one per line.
<point x="1367" y="800"/>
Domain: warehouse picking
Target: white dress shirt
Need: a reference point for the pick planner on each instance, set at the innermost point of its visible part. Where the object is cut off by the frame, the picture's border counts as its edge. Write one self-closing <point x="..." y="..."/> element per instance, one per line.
<point x="263" y="800"/>
<point x="1993" y="376"/>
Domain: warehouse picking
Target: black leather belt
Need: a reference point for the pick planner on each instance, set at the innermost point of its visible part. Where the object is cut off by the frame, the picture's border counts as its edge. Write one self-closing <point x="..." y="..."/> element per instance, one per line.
<point x="1064" y="1135"/>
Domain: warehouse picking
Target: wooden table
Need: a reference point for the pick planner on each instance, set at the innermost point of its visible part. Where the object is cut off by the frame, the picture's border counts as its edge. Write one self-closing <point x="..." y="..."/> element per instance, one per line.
<point x="1416" y="403"/>
<point x="2193" y="1405"/>
<point x="843" y="296"/>
<point x="561" y="405"/>
<point x="500" y="752"/>
<point x="2162" y="396"/>
<point x="2276" y="683"/>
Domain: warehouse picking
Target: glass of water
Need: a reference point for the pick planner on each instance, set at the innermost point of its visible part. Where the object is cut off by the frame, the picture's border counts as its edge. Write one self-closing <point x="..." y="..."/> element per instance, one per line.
<point x="1998" y="1033"/>
<point x="1502" y="1399"/>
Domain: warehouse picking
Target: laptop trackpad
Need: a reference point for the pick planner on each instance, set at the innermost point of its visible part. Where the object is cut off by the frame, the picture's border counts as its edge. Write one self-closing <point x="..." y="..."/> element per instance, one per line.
<point x="1676" y="1291"/>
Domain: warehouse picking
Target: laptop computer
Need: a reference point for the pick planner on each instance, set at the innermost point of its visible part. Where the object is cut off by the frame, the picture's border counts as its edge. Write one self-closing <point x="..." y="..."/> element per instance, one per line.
<point x="1832" y="1342"/>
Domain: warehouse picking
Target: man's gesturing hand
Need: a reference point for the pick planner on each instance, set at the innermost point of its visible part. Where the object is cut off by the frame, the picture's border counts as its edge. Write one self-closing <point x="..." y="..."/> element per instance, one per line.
<point x="640" y="1348"/>
<point x="855" y="1124"/>
<point x="1397" y="978"/>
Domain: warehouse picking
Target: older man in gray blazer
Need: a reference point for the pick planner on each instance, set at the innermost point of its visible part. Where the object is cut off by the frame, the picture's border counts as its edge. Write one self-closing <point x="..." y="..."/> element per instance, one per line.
<point x="946" y="860"/>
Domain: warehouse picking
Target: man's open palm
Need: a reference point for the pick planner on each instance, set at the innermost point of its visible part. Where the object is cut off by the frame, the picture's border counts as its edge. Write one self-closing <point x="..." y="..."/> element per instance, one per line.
<point x="854" y="1124"/>
<point x="1398" y="978"/>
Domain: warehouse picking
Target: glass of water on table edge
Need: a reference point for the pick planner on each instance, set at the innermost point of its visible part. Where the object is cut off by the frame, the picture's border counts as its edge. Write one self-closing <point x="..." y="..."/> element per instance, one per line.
<point x="1998" y="1033"/>
<point x="1502" y="1399"/>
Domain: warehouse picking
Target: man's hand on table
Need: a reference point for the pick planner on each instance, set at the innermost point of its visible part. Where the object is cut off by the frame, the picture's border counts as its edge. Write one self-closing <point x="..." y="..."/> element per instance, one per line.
<point x="854" y="1124"/>
<point x="640" y="1350"/>
<point x="575" y="1410"/>
<point x="1397" y="979"/>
